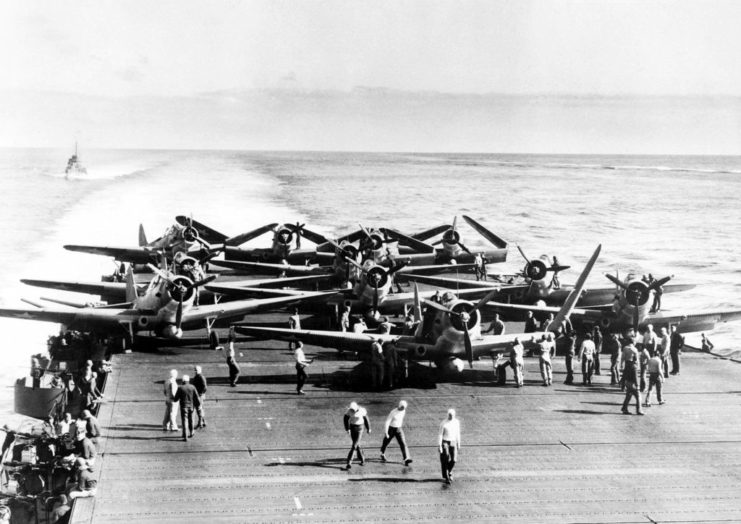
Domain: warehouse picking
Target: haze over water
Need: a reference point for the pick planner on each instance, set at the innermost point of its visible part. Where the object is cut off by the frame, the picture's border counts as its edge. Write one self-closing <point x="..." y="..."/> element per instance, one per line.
<point x="667" y="215"/>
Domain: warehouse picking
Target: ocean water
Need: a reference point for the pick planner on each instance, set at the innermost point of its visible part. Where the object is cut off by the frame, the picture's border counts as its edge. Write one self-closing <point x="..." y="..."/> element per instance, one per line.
<point x="667" y="215"/>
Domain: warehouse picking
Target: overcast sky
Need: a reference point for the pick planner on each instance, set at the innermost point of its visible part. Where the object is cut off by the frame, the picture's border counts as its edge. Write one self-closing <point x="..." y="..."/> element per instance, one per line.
<point x="135" y="51"/>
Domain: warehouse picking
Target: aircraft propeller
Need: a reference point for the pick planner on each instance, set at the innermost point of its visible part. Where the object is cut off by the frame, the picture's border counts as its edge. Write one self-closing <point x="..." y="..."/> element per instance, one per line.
<point x="536" y="269"/>
<point x="452" y="237"/>
<point x="374" y="241"/>
<point x="638" y="291"/>
<point x="465" y="316"/>
<point x="377" y="277"/>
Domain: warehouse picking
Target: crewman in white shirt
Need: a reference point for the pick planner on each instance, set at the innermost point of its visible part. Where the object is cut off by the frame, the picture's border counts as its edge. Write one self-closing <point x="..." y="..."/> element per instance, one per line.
<point x="449" y="444"/>
<point x="392" y="429"/>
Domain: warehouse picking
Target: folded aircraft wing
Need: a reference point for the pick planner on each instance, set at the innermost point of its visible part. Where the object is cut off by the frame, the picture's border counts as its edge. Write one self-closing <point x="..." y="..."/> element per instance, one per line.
<point x="136" y="255"/>
<point x="249" y="235"/>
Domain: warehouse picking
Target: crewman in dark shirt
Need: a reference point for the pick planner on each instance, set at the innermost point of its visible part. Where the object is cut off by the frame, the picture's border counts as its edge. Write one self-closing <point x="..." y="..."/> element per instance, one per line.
<point x="630" y="379"/>
<point x="530" y="326"/>
<point x="676" y="343"/>
<point x="496" y="327"/>
<point x="199" y="382"/>
<point x="188" y="398"/>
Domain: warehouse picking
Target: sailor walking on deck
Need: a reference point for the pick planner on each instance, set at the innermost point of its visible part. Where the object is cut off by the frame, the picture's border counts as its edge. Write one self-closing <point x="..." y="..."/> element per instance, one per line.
<point x="355" y="419"/>
<point x="392" y="429"/>
<point x="301" y="364"/>
<point x="449" y="445"/>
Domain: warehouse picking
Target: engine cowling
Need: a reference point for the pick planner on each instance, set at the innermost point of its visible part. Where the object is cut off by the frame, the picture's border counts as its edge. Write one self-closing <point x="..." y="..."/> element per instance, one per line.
<point x="284" y="236"/>
<point x="190" y="234"/>
<point x="637" y="291"/>
<point x="536" y="270"/>
<point x="466" y="319"/>
<point x="181" y="288"/>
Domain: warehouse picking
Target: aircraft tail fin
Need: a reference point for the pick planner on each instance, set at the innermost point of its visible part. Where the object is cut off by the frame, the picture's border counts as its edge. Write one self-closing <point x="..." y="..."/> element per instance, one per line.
<point x="570" y="302"/>
<point x="131" y="294"/>
<point x="488" y="235"/>
<point x="142" y="236"/>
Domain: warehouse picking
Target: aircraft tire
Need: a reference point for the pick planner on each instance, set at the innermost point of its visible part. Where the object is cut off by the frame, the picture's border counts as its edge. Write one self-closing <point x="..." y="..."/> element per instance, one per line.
<point x="213" y="339"/>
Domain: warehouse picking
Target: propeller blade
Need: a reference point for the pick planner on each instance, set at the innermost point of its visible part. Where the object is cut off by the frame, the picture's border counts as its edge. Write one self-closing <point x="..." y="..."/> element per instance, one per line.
<point x="397" y="267"/>
<point x="484" y="300"/>
<point x="635" y="314"/>
<point x="464" y="248"/>
<point x="438" y="306"/>
<point x="158" y="271"/>
<point x="375" y="297"/>
<point x="334" y="244"/>
<point x="206" y="280"/>
<point x="455" y="219"/>
<point x="522" y="253"/>
<point x="657" y="283"/>
<point x="469" y="346"/>
<point x="367" y="233"/>
<point x="616" y="281"/>
<point x="179" y="314"/>
<point x="417" y="306"/>
<point x="351" y="261"/>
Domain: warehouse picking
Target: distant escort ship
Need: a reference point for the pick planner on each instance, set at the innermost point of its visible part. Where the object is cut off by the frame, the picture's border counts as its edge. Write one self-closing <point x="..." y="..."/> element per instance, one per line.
<point x="74" y="167"/>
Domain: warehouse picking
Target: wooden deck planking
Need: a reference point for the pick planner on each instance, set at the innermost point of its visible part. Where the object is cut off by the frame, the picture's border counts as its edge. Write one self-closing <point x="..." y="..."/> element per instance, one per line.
<point x="560" y="454"/>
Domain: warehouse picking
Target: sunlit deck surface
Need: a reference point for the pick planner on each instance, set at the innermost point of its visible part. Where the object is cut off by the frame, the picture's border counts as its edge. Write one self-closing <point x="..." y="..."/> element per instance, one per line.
<point x="536" y="454"/>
